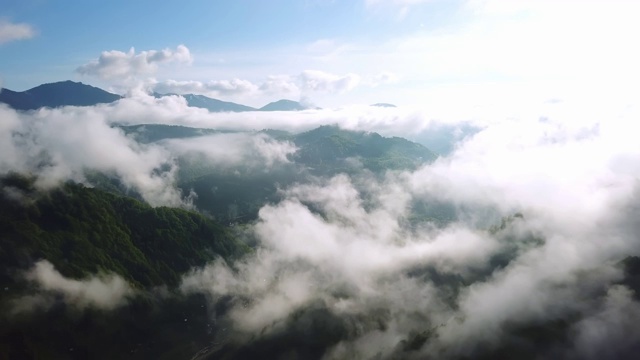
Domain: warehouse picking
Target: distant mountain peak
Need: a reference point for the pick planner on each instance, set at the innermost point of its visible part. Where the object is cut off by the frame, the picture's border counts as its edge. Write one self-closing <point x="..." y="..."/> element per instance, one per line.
<point x="57" y="94"/>
<point x="285" y="105"/>
<point x="72" y="93"/>
<point x="385" y="105"/>
<point x="64" y="85"/>
<point x="213" y="105"/>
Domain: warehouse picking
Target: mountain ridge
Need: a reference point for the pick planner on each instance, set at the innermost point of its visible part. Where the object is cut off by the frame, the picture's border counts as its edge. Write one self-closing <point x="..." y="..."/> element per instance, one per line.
<point x="211" y="104"/>
<point x="285" y="105"/>
<point x="62" y="93"/>
<point x="71" y="93"/>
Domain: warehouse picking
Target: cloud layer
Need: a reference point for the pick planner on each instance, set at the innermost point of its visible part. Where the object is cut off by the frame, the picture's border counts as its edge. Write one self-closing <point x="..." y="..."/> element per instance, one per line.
<point x="62" y="144"/>
<point x="362" y="251"/>
<point x="349" y="244"/>
<point x="307" y="82"/>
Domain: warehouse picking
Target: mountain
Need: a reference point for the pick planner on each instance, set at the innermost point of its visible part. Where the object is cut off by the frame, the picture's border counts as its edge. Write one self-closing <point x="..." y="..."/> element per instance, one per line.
<point x="385" y="105"/>
<point x="82" y="232"/>
<point x="154" y="132"/>
<point x="235" y="194"/>
<point x="442" y="138"/>
<point x="284" y="105"/>
<point x="70" y="93"/>
<point x="327" y="147"/>
<point x="63" y="93"/>
<point x="213" y="105"/>
<point x="241" y="190"/>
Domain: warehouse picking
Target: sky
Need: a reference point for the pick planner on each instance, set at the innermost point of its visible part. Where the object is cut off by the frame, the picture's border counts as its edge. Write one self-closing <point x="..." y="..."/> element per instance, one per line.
<point x="329" y="53"/>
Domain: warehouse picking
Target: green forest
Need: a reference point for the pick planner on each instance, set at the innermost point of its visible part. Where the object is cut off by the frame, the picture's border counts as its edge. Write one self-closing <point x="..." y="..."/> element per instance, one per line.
<point x="84" y="231"/>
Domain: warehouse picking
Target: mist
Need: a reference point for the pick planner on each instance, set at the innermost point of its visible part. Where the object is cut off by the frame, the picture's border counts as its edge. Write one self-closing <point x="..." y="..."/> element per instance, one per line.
<point x="345" y="245"/>
<point x="545" y="205"/>
<point x="105" y="292"/>
<point x="58" y="145"/>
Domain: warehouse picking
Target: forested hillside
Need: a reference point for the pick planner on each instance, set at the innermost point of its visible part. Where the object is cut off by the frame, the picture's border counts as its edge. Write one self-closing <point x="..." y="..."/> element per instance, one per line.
<point x="236" y="193"/>
<point x="63" y="93"/>
<point x="82" y="232"/>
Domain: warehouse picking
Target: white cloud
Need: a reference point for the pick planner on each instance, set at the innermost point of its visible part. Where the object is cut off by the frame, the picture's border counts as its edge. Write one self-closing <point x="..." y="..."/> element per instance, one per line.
<point x="255" y="150"/>
<point x="481" y="45"/>
<point x="116" y="64"/>
<point x="103" y="292"/>
<point x="348" y="250"/>
<point x="569" y="168"/>
<point x="316" y="80"/>
<point x="235" y="86"/>
<point x="610" y="332"/>
<point x="279" y="84"/>
<point x="60" y="144"/>
<point x="15" y="31"/>
<point x="530" y="40"/>
<point x="213" y="88"/>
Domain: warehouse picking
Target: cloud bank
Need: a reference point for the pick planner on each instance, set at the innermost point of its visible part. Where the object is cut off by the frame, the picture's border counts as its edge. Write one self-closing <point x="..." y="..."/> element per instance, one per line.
<point x="308" y="81"/>
<point x="63" y="144"/>
<point x="394" y="287"/>
<point x="364" y="254"/>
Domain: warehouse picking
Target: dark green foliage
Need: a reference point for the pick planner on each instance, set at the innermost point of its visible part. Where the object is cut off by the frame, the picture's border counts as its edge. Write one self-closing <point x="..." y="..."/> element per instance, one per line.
<point x="83" y="230"/>
<point x="110" y="182"/>
<point x="235" y="193"/>
<point x="233" y="198"/>
<point x="306" y="334"/>
<point x="150" y="133"/>
<point x="538" y="340"/>
<point x="631" y="267"/>
<point x="239" y="193"/>
<point x="326" y="146"/>
<point x="173" y="328"/>
<point x="415" y="340"/>
<point x="443" y="138"/>
<point x="431" y="211"/>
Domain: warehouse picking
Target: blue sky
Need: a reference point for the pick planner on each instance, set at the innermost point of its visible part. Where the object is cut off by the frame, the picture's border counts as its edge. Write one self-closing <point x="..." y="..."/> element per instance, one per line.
<point x="327" y="52"/>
